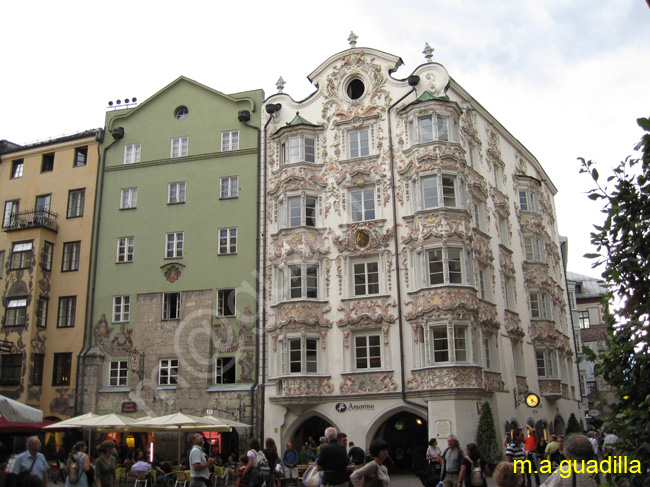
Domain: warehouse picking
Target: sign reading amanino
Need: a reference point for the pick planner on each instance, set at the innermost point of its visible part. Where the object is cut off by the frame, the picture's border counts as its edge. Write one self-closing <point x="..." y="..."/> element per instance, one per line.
<point x="341" y="407"/>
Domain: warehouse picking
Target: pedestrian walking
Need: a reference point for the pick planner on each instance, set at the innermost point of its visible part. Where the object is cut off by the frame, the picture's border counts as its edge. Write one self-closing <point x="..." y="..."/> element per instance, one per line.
<point x="373" y="474"/>
<point x="32" y="462"/>
<point x="105" y="466"/>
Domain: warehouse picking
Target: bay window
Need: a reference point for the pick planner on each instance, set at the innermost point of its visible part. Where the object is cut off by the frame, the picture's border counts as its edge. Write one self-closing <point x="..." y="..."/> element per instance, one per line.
<point x="299" y="148"/>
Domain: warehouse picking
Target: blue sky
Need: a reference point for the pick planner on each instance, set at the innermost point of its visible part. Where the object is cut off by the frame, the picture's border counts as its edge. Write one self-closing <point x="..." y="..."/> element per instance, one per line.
<point x="567" y="78"/>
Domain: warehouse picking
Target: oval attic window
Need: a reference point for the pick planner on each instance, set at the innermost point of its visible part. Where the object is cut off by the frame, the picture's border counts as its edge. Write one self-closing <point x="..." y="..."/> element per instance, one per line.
<point x="181" y="113"/>
<point x="355" y="89"/>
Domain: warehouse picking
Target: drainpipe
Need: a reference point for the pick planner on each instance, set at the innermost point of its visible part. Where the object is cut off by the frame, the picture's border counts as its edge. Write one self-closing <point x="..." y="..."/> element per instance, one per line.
<point x="413" y="80"/>
<point x="117" y="134"/>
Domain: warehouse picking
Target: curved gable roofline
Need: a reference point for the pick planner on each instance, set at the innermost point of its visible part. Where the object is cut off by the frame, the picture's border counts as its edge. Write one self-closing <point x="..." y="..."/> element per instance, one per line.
<point x="182" y="79"/>
<point x="358" y="50"/>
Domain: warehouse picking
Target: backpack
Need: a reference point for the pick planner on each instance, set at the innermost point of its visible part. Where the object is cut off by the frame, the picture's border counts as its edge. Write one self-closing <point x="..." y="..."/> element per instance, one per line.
<point x="261" y="467"/>
<point x="73" y="470"/>
<point x="476" y="478"/>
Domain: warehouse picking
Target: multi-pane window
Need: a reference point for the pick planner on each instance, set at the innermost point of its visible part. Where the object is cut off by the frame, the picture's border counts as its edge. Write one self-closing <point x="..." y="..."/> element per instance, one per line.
<point x="16" y="312"/>
<point x="359" y="143"/>
<point x="433" y="127"/>
<point x="473" y="155"/>
<point x="47" y="163"/>
<point x="118" y="373"/>
<point x="301" y="211"/>
<point x="121" y="309"/>
<point x="527" y="200"/>
<point x="439" y="344"/>
<point x="298" y="149"/>
<point x="440" y="191"/>
<point x="62" y="369"/>
<point x="229" y="187"/>
<point x="362" y="205"/>
<point x="478" y="216"/>
<point x="487" y="353"/>
<point x="67" y="309"/>
<point x="366" y="278"/>
<point x="445" y="266"/>
<point x="174" y="245"/>
<point x="546" y="363"/>
<point x="80" y="156"/>
<point x="367" y="352"/>
<point x="225" y="370"/>
<point x="11" y="369"/>
<point x="484" y="282"/>
<point x="534" y="248"/>
<point x="128" y="198"/>
<point x="227" y="241"/>
<point x="131" y="153"/>
<point x="46" y="256"/>
<point x="17" y="168"/>
<point x="302" y="356"/>
<point x="168" y="372"/>
<point x="230" y="140"/>
<point x="539" y="306"/>
<point x="509" y="292"/>
<point x="10" y="214"/>
<point x="171" y="306"/>
<point x="76" y="203"/>
<point x="37" y="369"/>
<point x="21" y="255"/>
<point x="583" y="319"/>
<point x="303" y="281"/>
<point x="179" y="146"/>
<point x="176" y="193"/>
<point x="41" y="312"/>
<point x="125" y="246"/>
<point x="43" y="202"/>
<point x="71" y="252"/>
<point x="461" y="345"/>
<point x="226" y="305"/>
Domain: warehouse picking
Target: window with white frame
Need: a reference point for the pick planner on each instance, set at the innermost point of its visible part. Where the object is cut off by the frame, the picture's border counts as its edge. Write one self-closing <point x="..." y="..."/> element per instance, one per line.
<point x="226" y="302"/>
<point x="227" y="241"/>
<point x="301" y="211"/>
<point x="229" y="187"/>
<point x="446" y="266"/>
<point x="17" y="167"/>
<point x="534" y="248"/>
<point x="583" y="319"/>
<point x="229" y="140"/>
<point x="168" y="372"/>
<point x="527" y="200"/>
<point x="473" y="155"/>
<point x="509" y="284"/>
<point x="359" y="143"/>
<point x="362" y="204"/>
<point x="367" y="352"/>
<point x="478" y="214"/>
<point x="41" y="312"/>
<point x="303" y="281"/>
<point x="179" y="146"/>
<point x="546" y="363"/>
<point x="76" y="203"/>
<point x="47" y="256"/>
<point x="10" y="214"/>
<point x="80" y="156"/>
<point x="131" y="153"/>
<point x="125" y="248"/>
<point x="540" y="307"/>
<point x="461" y="343"/>
<point x="301" y="356"/>
<point x="299" y="148"/>
<point x="366" y="278"/>
<point x="16" y="312"/>
<point x="225" y="370"/>
<point x="444" y="190"/>
<point x="71" y="251"/>
<point x="176" y="193"/>
<point x="572" y="299"/>
<point x="174" y="245"/>
<point x="128" y="198"/>
<point x="518" y="357"/>
<point x="439" y="343"/>
<point x="67" y="311"/>
<point x="171" y="306"/>
<point x="21" y="255"/>
<point x="118" y="373"/>
<point x="121" y="309"/>
<point x="488" y="355"/>
<point x="484" y="281"/>
<point x="434" y="127"/>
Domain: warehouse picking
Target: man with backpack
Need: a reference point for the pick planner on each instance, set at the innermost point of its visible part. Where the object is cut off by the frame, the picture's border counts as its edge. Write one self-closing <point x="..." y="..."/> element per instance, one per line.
<point x="258" y="468"/>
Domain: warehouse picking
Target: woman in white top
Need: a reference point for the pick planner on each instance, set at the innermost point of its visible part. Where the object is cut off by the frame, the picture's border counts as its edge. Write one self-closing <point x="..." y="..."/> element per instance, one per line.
<point x="433" y="452"/>
<point x="373" y="474"/>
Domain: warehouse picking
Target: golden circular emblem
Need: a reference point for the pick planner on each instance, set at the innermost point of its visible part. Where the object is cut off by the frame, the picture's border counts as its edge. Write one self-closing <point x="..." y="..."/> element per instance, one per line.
<point x="532" y="400"/>
<point x="363" y="238"/>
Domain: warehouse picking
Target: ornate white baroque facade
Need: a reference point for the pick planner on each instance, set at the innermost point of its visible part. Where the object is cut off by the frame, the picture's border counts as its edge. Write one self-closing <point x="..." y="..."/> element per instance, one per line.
<point x="411" y="261"/>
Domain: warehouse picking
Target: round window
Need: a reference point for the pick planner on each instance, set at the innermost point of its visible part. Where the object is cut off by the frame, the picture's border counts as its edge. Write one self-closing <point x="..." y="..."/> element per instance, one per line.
<point x="181" y="113"/>
<point x="355" y="89"/>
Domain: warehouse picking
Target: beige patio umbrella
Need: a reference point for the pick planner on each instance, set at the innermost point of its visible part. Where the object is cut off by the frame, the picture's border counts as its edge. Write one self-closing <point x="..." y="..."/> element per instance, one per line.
<point x="17" y="412"/>
<point x="76" y="422"/>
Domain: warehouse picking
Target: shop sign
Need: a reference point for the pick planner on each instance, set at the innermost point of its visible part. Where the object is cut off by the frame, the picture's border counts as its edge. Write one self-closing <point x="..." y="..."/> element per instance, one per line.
<point x="129" y="407"/>
<point x="342" y="407"/>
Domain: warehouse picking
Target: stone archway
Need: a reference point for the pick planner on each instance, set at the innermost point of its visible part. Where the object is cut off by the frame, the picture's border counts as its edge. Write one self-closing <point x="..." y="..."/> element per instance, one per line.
<point x="559" y="425"/>
<point x="407" y="435"/>
<point x="313" y="426"/>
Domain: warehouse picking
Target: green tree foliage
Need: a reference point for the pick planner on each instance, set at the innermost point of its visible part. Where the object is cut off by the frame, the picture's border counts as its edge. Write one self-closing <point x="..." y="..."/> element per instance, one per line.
<point x="623" y="245"/>
<point x="573" y="426"/>
<point x="486" y="436"/>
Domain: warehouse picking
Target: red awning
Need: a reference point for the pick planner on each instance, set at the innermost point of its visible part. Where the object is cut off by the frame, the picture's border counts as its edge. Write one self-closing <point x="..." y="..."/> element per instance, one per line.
<point x="9" y="427"/>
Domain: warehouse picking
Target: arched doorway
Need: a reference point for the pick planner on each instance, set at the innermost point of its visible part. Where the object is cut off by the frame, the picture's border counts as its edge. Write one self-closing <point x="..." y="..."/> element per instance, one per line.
<point x="560" y="427"/>
<point x="314" y="427"/>
<point x="406" y="433"/>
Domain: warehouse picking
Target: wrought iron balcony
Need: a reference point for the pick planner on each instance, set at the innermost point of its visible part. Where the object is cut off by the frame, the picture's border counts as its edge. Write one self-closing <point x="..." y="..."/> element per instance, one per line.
<point x="31" y="219"/>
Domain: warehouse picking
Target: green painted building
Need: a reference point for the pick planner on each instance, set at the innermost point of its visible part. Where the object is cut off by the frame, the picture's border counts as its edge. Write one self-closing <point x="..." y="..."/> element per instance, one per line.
<point x="172" y="312"/>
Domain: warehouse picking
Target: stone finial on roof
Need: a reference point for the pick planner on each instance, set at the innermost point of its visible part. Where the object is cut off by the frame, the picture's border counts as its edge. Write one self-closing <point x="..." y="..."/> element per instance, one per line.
<point x="280" y="84"/>
<point x="428" y="52"/>
<point x="353" y="39"/>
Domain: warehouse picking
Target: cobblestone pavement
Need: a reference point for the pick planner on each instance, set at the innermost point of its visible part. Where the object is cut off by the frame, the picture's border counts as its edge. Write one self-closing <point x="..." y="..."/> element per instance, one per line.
<point x="410" y="480"/>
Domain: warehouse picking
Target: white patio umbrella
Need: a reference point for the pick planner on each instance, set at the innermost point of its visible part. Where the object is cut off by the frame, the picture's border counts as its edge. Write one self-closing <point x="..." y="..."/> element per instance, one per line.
<point x="228" y="422"/>
<point x="76" y="422"/>
<point x="17" y="412"/>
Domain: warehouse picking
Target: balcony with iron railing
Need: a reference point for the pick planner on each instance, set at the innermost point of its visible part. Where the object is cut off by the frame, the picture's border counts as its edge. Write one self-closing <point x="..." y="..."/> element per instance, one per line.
<point x="31" y="219"/>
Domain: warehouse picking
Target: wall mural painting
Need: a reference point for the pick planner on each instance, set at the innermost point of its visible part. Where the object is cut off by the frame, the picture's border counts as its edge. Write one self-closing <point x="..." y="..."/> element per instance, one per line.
<point x="237" y="336"/>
